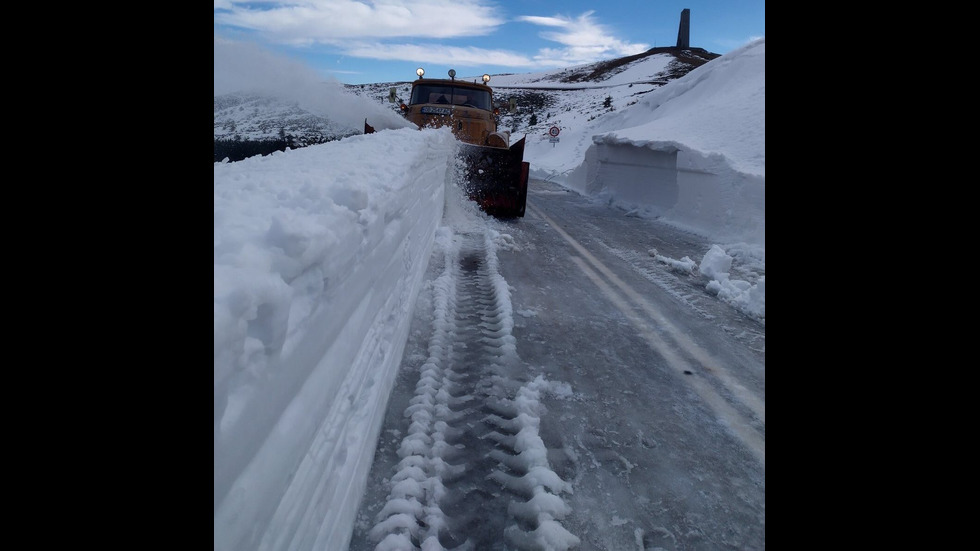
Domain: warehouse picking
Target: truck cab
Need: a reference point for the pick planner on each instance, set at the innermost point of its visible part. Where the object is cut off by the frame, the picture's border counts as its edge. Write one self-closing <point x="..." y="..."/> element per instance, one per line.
<point x="466" y="107"/>
<point x="496" y="173"/>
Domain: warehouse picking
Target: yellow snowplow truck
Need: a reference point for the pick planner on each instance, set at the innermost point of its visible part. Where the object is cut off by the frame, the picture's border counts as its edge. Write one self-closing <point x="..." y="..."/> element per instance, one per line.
<point x="496" y="173"/>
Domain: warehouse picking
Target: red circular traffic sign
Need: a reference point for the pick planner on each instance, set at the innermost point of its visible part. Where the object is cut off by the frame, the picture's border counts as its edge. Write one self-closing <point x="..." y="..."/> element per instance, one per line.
<point x="554" y="131"/>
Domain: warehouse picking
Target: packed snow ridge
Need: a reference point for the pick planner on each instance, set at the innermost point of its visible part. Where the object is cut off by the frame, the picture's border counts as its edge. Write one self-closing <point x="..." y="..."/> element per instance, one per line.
<point x="443" y="458"/>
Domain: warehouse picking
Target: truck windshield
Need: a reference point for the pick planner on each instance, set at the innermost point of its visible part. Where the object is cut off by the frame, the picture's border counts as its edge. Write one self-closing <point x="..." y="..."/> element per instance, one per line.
<point x="450" y="95"/>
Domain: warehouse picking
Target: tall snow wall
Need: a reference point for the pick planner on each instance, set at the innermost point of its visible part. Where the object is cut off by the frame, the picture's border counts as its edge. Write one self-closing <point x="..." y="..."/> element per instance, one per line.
<point x="320" y="254"/>
<point x="689" y="189"/>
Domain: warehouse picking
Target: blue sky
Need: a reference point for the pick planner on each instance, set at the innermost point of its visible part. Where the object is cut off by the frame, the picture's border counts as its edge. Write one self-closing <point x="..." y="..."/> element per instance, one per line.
<point x="373" y="41"/>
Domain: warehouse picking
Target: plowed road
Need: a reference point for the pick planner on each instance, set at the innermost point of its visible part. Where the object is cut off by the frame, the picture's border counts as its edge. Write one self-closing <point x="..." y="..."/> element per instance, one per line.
<point x="562" y="389"/>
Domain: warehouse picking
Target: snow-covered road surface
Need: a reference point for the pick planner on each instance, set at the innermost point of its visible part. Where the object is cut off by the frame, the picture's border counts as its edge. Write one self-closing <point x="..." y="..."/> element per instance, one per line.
<point x="565" y="388"/>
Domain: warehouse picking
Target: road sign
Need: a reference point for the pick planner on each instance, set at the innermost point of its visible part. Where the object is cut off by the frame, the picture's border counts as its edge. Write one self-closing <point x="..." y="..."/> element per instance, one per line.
<point x="554" y="131"/>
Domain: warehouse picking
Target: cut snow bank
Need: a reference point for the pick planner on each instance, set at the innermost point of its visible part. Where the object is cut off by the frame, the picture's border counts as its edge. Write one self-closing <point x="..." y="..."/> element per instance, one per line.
<point x="307" y="347"/>
<point x="698" y="192"/>
<point x="709" y="110"/>
<point x="698" y="156"/>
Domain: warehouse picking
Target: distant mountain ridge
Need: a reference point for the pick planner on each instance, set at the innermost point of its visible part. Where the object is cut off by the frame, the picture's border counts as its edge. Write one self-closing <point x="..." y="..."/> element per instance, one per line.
<point x="685" y="60"/>
<point x="249" y="124"/>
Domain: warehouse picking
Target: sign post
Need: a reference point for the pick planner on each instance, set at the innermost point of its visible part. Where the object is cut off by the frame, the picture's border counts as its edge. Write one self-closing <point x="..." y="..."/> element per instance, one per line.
<point x="553" y="132"/>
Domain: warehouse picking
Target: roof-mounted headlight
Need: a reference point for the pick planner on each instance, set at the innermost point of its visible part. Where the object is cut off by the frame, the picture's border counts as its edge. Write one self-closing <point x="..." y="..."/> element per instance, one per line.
<point x="420" y="71"/>
<point x="486" y="78"/>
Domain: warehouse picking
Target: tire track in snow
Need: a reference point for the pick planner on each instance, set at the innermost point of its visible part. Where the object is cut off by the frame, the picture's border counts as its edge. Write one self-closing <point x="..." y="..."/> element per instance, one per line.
<point x="473" y="473"/>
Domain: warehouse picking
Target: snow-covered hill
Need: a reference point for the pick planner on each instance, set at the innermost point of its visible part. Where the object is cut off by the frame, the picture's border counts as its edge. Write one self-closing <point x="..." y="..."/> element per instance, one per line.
<point x="250" y="116"/>
<point x="570" y="97"/>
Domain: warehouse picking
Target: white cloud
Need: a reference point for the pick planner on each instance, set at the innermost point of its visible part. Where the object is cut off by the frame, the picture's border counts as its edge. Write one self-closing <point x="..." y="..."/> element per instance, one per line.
<point x="306" y="22"/>
<point x="444" y="55"/>
<point x="545" y="21"/>
<point x="363" y="29"/>
<point x="585" y="40"/>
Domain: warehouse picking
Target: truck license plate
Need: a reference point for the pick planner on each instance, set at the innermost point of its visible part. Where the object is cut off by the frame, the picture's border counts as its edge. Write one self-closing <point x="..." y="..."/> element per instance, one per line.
<point x="436" y="110"/>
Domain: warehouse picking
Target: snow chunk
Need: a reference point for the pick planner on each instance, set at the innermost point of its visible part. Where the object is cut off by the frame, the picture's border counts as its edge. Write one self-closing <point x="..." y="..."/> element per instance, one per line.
<point x="549" y="536"/>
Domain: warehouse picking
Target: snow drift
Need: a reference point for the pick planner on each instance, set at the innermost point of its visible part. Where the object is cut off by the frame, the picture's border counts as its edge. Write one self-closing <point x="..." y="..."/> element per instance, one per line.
<point x="702" y="167"/>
